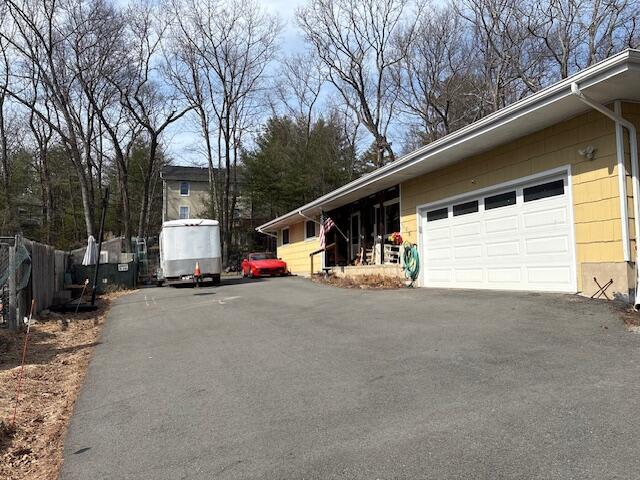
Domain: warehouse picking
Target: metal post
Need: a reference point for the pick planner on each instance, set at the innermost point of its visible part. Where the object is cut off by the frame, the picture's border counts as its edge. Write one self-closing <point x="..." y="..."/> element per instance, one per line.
<point x="105" y="203"/>
<point x="13" y="298"/>
<point x="382" y="232"/>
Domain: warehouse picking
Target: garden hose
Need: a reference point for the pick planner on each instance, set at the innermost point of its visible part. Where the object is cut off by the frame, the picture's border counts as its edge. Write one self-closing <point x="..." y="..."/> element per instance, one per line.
<point x="411" y="261"/>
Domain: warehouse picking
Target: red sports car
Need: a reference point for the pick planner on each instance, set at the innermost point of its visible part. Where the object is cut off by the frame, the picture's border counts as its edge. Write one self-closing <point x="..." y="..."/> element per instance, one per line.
<point x="263" y="264"/>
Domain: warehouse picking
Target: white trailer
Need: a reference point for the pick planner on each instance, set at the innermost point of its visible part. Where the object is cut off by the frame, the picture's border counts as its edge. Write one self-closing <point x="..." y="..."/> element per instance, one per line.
<point x="183" y="243"/>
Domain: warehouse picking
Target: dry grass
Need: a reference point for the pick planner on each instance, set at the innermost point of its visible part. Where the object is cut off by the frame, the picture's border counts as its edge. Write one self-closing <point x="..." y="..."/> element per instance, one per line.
<point x="58" y="354"/>
<point x="378" y="282"/>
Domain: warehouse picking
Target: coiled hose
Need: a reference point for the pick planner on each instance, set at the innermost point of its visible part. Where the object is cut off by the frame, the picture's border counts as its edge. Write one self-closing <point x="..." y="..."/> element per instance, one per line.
<point x="411" y="261"/>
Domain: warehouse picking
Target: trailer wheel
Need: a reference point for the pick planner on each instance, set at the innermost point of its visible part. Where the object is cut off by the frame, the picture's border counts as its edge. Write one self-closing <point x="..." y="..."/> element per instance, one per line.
<point x="216" y="279"/>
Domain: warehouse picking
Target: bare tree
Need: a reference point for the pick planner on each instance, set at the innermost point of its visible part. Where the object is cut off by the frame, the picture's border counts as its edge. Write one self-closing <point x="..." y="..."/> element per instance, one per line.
<point x="438" y="81"/>
<point x="99" y="45"/>
<point x="578" y="33"/>
<point x="226" y="48"/>
<point x="300" y="85"/>
<point x="357" y="42"/>
<point x="4" y="138"/>
<point x="40" y="45"/>
<point x="143" y="93"/>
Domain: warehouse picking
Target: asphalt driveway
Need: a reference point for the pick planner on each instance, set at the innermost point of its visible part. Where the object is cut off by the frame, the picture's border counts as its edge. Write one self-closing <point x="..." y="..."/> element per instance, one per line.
<point x="285" y="379"/>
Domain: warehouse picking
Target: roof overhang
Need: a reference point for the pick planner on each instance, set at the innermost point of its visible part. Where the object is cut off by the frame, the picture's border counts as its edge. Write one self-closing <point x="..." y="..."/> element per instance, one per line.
<point x="616" y="78"/>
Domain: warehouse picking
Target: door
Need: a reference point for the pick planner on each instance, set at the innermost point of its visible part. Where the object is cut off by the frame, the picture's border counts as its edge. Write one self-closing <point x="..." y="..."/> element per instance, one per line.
<point x="354" y="238"/>
<point x="514" y="238"/>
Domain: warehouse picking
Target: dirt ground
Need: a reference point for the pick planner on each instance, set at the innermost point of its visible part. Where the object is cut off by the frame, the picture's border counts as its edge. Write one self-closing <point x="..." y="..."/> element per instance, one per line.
<point x="59" y="350"/>
<point x="361" y="281"/>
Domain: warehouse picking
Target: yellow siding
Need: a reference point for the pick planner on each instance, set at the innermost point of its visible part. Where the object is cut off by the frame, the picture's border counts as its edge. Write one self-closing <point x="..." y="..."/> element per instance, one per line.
<point x="595" y="183"/>
<point x="296" y="253"/>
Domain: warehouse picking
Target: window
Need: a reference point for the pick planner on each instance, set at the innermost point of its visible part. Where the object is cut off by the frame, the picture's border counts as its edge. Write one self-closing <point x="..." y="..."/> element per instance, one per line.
<point x="500" y="200"/>
<point x="184" y="213"/>
<point x="285" y="236"/>
<point x="438" y="214"/>
<point x="309" y="229"/>
<point x="544" y="190"/>
<point x="465" y="208"/>
<point x="184" y="189"/>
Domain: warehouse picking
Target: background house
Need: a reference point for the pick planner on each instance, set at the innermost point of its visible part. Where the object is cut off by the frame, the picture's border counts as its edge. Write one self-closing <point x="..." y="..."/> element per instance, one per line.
<point x="185" y="192"/>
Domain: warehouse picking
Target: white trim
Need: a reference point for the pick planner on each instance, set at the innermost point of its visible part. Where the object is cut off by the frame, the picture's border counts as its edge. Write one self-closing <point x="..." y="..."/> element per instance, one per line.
<point x="573" y="228"/>
<point x="188" y="217"/>
<point x="306" y="239"/>
<point x="563" y="171"/>
<point x="282" y="244"/>
<point x="188" y="194"/>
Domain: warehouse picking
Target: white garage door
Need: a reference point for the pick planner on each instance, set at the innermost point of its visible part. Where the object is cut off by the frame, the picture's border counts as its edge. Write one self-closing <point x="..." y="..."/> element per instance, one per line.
<point x="514" y="238"/>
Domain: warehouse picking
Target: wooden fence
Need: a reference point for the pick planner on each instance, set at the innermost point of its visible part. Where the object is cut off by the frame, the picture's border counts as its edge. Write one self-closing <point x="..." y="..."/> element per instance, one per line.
<point x="48" y="267"/>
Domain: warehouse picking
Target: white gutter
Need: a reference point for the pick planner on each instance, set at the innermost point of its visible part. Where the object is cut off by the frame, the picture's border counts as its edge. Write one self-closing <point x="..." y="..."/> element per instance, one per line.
<point x="633" y="148"/>
<point x="266" y="233"/>
<point x="622" y="186"/>
<point x="308" y="218"/>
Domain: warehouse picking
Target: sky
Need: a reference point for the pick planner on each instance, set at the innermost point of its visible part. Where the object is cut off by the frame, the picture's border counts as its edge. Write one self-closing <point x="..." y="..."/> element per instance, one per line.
<point x="183" y="138"/>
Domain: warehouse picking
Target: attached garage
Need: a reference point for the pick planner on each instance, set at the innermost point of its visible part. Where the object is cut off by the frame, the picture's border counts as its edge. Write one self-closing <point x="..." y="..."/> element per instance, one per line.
<point x="542" y="195"/>
<point x="516" y="236"/>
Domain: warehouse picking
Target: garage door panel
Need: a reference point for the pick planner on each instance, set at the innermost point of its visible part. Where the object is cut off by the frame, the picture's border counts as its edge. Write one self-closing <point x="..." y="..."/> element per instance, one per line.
<point x="501" y="224"/>
<point x="503" y="249"/>
<point x="547" y="245"/>
<point x="522" y="246"/>
<point x="469" y="275"/>
<point x="466" y="252"/>
<point x="467" y="229"/>
<point x="440" y="233"/>
<point x="546" y="218"/>
<point x="542" y="275"/>
<point x="439" y="253"/>
<point x="504" y="275"/>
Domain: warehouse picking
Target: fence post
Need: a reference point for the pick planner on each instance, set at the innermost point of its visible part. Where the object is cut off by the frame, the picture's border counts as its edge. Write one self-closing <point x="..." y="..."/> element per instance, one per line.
<point x="12" y="314"/>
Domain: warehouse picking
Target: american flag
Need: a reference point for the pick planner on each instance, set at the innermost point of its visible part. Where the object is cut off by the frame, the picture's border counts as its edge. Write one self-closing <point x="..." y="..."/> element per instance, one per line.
<point x="324" y="229"/>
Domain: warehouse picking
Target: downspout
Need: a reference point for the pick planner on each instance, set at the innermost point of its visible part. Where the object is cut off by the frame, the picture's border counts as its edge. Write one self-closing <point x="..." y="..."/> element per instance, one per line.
<point x="622" y="186"/>
<point x="633" y="149"/>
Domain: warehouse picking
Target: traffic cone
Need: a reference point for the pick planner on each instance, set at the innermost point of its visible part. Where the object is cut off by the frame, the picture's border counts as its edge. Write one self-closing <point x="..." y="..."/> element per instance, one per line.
<point x="196" y="274"/>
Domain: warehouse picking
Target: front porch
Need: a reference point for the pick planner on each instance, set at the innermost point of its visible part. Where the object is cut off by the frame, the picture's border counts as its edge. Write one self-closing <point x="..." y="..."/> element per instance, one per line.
<point x="366" y="233"/>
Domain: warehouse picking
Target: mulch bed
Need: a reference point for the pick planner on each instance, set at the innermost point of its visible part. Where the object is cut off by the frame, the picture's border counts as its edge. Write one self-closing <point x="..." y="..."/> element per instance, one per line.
<point x="59" y="350"/>
<point x="377" y="282"/>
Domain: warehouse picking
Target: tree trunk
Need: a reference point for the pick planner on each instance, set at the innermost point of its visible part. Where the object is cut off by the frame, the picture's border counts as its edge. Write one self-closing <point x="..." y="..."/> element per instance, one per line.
<point x="124" y="196"/>
<point x="146" y="186"/>
<point x="227" y="193"/>
<point x="6" y="170"/>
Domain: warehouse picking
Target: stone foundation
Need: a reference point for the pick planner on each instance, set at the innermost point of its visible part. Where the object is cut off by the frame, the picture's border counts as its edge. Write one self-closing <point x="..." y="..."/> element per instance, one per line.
<point x="620" y="272"/>
<point x="389" y="270"/>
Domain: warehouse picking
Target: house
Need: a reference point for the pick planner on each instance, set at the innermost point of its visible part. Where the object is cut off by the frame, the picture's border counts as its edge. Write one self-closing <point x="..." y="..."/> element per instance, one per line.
<point x="541" y="195"/>
<point x="185" y="192"/>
